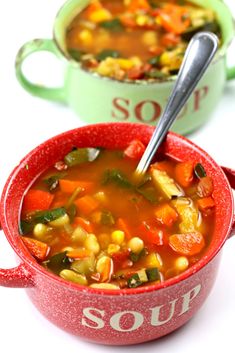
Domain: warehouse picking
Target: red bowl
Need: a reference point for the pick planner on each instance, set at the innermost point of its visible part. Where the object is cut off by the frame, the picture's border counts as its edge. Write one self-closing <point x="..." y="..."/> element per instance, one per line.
<point x="117" y="317"/>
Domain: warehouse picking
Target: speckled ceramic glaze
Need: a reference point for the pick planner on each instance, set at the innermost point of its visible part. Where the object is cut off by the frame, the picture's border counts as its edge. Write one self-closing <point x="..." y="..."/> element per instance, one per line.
<point x="106" y="316"/>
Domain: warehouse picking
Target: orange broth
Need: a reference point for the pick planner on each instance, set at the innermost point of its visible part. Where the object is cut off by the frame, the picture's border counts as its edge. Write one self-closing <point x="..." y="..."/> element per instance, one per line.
<point x="91" y="223"/>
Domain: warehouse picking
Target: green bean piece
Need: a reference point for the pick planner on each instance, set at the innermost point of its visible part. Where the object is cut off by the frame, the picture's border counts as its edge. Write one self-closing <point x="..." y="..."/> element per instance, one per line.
<point x="199" y="171"/>
<point x="107" y="53"/>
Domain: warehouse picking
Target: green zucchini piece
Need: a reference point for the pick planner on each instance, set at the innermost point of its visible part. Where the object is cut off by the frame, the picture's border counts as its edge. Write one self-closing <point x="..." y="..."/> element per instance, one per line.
<point x="166" y="184"/>
<point x="81" y="155"/>
<point x="153" y="274"/>
<point x="199" y="171"/>
<point x="134" y="281"/>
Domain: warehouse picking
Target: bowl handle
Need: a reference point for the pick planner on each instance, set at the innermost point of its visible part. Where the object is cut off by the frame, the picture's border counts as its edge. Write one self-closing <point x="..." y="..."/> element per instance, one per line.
<point x="18" y="277"/>
<point x="33" y="46"/>
<point x="230" y="174"/>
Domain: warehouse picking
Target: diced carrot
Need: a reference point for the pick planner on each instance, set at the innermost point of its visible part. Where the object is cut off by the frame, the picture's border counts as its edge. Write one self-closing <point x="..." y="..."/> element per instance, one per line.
<point x="164" y="166"/>
<point x="123" y="225"/>
<point x="135" y="5"/>
<point x="188" y="243"/>
<point x="156" y="50"/>
<point x="174" y="18"/>
<point x="37" y="248"/>
<point x="86" y="204"/>
<point x="135" y="150"/>
<point x="166" y="215"/>
<point x="79" y="253"/>
<point x="94" y="6"/>
<point x="37" y="200"/>
<point x="205" y="187"/>
<point x="68" y="186"/>
<point x="84" y="223"/>
<point x="184" y="173"/>
<point x="169" y="39"/>
<point x="205" y="203"/>
<point x="128" y="21"/>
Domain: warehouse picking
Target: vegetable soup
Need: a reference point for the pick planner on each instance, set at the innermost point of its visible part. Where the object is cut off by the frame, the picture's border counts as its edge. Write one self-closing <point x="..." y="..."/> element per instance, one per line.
<point x="89" y="221"/>
<point x="136" y="39"/>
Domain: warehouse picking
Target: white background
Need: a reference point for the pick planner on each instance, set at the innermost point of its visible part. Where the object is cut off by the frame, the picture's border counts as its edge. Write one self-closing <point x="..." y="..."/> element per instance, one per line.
<point x="27" y="121"/>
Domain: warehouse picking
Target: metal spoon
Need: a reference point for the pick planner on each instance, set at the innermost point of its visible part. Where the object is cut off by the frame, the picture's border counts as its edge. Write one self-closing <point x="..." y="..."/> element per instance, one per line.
<point x="198" y="56"/>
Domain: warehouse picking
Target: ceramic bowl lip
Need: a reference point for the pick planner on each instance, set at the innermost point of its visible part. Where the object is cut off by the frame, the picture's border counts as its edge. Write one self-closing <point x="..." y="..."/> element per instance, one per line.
<point x="24" y="255"/>
<point x="220" y="54"/>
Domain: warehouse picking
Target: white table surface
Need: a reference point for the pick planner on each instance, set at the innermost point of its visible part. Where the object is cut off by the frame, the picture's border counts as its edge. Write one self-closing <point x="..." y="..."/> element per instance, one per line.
<point x="27" y="121"/>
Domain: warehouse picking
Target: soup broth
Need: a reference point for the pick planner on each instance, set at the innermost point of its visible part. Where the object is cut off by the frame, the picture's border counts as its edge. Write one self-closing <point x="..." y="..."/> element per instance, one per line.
<point x="89" y="221"/>
<point x="136" y="39"/>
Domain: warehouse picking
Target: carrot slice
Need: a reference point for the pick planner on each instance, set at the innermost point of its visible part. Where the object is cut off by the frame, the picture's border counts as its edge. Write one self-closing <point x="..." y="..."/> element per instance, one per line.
<point x="86" y="204"/>
<point x="187" y="244"/>
<point x="135" y="5"/>
<point x="84" y="223"/>
<point x="184" y="173"/>
<point x="79" y="253"/>
<point x="36" y="248"/>
<point x="68" y="186"/>
<point x="123" y="225"/>
<point x="37" y="200"/>
<point x="174" y="18"/>
<point x="205" y="203"/>
<point x="166" y="215"/>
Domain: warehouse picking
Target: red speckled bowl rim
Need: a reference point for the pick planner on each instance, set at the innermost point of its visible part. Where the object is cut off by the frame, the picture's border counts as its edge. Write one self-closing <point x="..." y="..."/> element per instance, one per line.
<point x="174" y="146"/>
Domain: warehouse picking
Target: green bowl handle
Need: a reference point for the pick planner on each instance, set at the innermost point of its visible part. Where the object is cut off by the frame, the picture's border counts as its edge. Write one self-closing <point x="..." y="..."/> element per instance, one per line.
<point x="54" y="94"/>
<point x="230" y="73"/>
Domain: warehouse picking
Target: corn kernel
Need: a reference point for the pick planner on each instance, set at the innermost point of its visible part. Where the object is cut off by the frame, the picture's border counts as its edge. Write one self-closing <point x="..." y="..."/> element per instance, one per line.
<point x="142" y="20"/>
<point x="125" y="64"/>
<point x="136" y="61"/>
<point x="74" y="277"/>
<point x="165" y="59"/>
<point x="149" y="38"/>
<point x="112" y="248"/>
<point x="86" y="36"/>
<point x="40" y="231"/>
<point x="153" y="260"/>
<point x="91" y="243"/>
<point x="136" y="245"/>
<point x="100" y="15"/>
<point x="61" y="221"/>
<point x="181" y="263"/>
<point x="118" y="237"/>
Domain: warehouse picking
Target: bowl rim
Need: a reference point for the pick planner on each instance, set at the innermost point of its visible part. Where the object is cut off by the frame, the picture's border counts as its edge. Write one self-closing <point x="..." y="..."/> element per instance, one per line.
<point x="33" y="266"/>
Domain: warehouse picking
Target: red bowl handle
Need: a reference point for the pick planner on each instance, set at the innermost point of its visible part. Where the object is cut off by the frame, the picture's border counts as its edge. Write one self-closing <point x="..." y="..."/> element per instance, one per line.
<point x="230" y="174"/>
<point x="18" y="277"/>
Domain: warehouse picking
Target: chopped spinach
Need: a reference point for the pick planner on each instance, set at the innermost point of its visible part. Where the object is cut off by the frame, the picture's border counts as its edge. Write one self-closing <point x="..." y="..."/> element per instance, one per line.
<point x="114" y="25"/>
<point x="57" y="262"/>
<point x="107" y="53"/>
<point x="116" y="176"/>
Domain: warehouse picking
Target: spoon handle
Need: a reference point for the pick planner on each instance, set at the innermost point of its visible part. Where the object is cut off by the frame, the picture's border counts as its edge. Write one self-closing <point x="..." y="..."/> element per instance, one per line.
<point x="198" y="56"/>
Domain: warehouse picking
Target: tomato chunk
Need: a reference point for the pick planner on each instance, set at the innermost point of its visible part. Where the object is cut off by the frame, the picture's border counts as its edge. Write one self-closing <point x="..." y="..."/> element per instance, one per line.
<point x="135" y="150"/>
<point x="37" y="200"/>
<point x="36" y="248"/>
